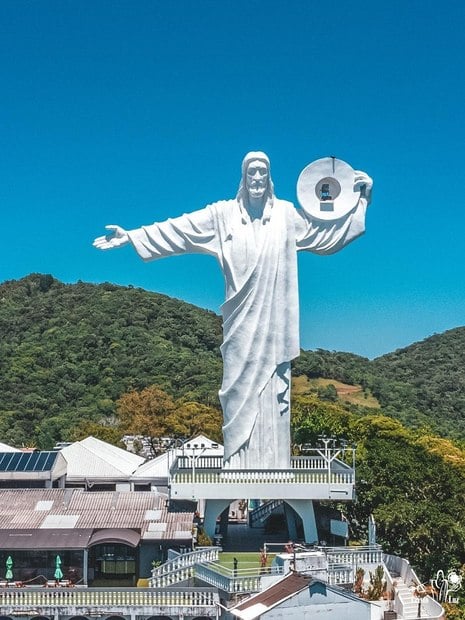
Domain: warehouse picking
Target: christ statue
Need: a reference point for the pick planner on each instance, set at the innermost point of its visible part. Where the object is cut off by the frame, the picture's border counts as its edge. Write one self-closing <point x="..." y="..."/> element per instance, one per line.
<point x="255" y="237"/>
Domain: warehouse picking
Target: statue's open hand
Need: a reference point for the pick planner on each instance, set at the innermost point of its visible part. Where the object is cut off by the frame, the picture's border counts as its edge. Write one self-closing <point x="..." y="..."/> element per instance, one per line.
<point x="364" y="183"/>
<point x="115" y="238"/>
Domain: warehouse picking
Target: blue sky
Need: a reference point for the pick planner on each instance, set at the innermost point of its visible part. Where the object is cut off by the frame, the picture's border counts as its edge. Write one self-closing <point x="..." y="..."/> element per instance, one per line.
<point x="131" y="111"/>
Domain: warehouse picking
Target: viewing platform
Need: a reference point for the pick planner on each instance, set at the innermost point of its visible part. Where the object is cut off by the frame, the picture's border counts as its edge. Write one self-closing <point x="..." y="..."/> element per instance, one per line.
<point x="322" y="475"/>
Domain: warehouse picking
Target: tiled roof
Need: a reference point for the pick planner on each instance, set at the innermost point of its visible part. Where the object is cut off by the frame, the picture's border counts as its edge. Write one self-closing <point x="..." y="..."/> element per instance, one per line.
<point x="22" y="509"/>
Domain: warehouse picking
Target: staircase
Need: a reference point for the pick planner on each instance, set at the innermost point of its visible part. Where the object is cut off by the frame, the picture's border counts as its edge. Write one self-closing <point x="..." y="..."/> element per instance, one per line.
<point x="259" y="515"/>
<point x="181" y="567"/>
<point x="404" y="581"/>
<point x="408" y="600"/>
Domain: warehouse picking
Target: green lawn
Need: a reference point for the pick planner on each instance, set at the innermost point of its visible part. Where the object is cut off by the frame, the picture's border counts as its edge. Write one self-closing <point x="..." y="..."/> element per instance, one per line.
<point x="247" y="559"/>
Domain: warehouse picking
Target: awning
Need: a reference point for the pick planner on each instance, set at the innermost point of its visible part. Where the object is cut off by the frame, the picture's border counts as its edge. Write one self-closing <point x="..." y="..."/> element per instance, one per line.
<point x="117" y="536"/>
<point x="45" y="539"/>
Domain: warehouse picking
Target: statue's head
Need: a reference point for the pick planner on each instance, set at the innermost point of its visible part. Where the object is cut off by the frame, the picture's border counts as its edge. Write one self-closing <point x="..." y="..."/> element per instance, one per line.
<point x="256" y="178"/>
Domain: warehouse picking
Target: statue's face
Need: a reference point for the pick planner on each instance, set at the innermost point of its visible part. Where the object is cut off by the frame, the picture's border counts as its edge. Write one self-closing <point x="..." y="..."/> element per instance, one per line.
<point x="257" y="178"/>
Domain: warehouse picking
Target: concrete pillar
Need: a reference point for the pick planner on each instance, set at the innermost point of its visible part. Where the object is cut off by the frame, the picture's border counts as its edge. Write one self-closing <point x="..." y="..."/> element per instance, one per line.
<point x="213" y="508"/>
<point x="290" y="521"/>
<point x="224" y="520"/>
<point x="85" y="563"/>
<point x="304" y="508"/>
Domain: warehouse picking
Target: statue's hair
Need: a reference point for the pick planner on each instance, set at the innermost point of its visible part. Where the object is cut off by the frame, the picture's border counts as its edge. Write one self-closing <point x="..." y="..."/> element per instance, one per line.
<point x="242" y="195"/>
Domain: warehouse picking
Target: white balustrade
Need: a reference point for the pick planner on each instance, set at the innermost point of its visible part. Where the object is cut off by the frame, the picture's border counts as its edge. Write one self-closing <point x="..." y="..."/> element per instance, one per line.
<point x="181" y="567"/>
<point x="111" y="599"/>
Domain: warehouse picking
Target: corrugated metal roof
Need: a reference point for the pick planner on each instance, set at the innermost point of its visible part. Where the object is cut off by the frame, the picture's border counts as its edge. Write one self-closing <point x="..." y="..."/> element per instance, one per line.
<point x="93" y="459"/>
<point x="86" y="465"/>
<point x="112" y="453"/>
<point x="155" y="468"/>
<point x="64" y="508"/>
<point x="59" y="522"/>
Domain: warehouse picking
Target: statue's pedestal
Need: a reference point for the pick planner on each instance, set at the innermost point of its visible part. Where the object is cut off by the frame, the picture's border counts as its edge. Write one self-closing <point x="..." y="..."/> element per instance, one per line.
<point x="320" y="477"/>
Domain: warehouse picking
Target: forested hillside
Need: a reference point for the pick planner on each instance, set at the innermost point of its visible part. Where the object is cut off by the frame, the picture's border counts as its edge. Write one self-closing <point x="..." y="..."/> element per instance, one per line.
<point x="68" y="352"/>
<point x="423" y="385"/>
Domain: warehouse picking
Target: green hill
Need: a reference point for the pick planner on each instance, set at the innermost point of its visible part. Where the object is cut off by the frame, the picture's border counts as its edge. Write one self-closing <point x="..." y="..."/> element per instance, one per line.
<point x="68" y="352"/>
<point x="426" y="382"/>
<point x="421" y="385"/>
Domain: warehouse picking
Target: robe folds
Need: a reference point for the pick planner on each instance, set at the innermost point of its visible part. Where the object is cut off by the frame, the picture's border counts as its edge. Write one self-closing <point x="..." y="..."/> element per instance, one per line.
<point x="258" y="257"/>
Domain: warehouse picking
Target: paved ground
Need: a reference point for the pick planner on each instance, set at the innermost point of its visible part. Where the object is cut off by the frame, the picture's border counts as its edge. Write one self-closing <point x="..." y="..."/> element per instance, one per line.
<point x="241" y="537"/>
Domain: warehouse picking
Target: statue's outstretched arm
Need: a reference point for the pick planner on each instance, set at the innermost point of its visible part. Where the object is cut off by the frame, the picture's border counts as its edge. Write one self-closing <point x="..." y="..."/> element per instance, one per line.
<point x="191" y="233"/>
<point x="116" y="238"/>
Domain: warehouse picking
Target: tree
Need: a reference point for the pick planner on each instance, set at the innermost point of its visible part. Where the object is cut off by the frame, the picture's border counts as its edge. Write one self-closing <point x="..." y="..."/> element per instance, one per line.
<point x="153" y="413"/>
<point x="146" y="413"/>
<point x="191" y="418"/>
<point x="328" y="392"/>
<point x="86" y="428"/>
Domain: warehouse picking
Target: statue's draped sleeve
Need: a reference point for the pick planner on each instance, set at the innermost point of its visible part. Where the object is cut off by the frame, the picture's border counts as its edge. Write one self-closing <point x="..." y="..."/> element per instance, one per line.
<point x="193" y="233"/>
<point x="329" y="236"/>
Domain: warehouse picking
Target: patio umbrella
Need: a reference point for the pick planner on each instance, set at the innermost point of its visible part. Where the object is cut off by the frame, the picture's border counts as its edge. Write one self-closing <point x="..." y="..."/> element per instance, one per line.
<point x="58" y="571"/>
<point x="9" y="566"/>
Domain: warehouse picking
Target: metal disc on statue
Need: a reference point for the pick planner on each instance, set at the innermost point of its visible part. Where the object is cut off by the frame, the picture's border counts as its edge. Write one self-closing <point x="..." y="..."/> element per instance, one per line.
<point x="325" y="189"/>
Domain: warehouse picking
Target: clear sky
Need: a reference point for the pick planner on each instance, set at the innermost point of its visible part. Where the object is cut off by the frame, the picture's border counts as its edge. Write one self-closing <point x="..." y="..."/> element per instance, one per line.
<point x="131" y="111"/>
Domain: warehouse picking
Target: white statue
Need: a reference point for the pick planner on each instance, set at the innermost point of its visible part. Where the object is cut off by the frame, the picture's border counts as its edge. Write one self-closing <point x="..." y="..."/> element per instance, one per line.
<point x="255" y="238"/>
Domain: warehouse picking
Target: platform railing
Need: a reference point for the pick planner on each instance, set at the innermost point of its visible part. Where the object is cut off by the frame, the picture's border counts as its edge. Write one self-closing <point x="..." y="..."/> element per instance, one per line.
<point x="108" y="598"/>
<point x="353" y="556"/>
<point x="279" y="476"/>
<point x="235" y="580"/>
<point x="318" y="460"/>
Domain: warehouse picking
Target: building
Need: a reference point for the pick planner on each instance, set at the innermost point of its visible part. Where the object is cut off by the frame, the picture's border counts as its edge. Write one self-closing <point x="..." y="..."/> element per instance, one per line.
<point x="301" y="597"/>
<point x="97" y="535"/>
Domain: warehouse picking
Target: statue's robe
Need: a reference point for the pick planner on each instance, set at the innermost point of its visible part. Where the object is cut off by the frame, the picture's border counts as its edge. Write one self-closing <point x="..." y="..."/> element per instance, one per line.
<point x="258" y="257"/>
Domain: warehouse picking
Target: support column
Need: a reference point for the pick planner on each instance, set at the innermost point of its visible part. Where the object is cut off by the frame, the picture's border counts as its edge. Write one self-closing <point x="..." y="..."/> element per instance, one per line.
<point x="304" y="508"/>
<point x="290" y="515"/>
<point x="213" y="509"/>
<point x="85" y="563"/>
